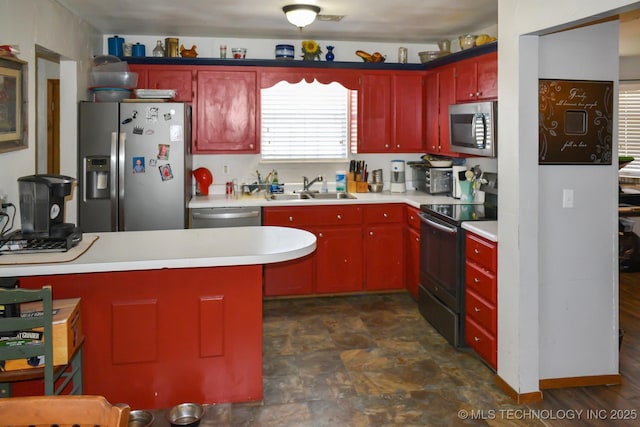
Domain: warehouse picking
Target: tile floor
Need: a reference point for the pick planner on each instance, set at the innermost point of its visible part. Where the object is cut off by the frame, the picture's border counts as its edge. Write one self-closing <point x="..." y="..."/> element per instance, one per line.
<point x="368" y="360"/>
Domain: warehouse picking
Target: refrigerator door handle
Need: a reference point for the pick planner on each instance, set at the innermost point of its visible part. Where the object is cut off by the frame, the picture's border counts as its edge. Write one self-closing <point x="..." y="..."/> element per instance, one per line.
<point x="113" y="184"/>
<point x="122" y="137"/>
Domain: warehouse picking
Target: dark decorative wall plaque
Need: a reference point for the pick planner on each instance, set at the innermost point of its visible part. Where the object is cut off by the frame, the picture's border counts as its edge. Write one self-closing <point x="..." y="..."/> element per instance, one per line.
<point x="575" y="122"/>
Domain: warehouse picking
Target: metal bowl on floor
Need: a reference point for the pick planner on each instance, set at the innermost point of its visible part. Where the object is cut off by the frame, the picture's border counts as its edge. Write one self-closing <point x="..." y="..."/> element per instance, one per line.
<point x="140" y="418"/>
<point x="186" y="415"/>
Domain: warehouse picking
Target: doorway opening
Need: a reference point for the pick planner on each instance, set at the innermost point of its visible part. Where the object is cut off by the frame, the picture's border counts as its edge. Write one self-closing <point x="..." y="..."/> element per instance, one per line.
<point x="48" y="111"/>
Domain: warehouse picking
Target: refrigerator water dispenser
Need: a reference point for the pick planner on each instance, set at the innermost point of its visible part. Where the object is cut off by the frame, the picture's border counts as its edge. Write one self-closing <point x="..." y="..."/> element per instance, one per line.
<point x="97" y="177"/>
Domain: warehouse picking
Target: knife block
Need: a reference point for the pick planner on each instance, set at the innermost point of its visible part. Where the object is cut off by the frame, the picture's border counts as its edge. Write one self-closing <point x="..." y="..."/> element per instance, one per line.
<point x="351" y="183"/>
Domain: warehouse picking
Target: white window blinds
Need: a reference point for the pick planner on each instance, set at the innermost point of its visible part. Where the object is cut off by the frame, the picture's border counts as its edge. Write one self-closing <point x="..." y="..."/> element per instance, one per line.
<point x="306" y="121"/>
<point x="629" y="127"/>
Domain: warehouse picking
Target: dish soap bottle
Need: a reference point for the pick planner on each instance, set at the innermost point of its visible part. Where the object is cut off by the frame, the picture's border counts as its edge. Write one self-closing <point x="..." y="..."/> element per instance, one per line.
<point x="158" y="50"/>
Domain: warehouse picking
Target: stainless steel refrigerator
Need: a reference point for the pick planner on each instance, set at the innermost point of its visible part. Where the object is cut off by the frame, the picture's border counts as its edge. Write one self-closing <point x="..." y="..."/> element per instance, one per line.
<point x="134" y="166"/>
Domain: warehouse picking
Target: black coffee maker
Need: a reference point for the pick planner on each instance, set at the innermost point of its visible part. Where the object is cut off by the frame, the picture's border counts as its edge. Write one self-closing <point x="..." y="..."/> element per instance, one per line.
<point x="42" y="206"/>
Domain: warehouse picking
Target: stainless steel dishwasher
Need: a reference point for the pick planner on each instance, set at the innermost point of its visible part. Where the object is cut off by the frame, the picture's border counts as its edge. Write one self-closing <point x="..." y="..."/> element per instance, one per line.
<point x="239" y="216"/>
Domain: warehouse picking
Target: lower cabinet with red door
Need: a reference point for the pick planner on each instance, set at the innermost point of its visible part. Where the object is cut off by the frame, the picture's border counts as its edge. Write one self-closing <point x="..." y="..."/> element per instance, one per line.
<point x="336" y="265"/>
<point x="359" y="248"/>
<point x="383" y="246"/>
<point x="481" y="297"/>
<point x="412" y="271"/>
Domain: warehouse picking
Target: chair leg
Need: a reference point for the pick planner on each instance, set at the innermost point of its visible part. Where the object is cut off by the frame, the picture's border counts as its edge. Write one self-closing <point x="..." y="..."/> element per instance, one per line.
<point x="72" y="374"/>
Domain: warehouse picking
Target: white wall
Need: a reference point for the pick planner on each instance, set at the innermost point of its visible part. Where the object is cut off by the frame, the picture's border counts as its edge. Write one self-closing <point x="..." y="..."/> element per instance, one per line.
<point x="209" y="47"/>
<point x="28" y="23"/>
<point x="578" y="270"/>
<point x="523" y="192"/>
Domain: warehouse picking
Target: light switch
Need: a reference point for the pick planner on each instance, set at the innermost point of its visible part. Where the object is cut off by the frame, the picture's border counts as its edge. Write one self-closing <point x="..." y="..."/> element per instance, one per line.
<point x="567" y="198"/>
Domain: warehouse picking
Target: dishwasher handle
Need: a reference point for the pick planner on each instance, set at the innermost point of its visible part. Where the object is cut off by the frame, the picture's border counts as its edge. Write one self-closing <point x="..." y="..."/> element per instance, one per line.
<point x="225" y="215"/>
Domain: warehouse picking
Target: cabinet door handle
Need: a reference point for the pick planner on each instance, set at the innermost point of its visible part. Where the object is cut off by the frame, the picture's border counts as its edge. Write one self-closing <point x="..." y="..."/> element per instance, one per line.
<point x="386" y="215"/>
<point x="371" y="233"/>
<point x="471" y="95"/>
<point x="320" y="235"/>
<point x="476" y="280"/>
<point x="290" y="219"/>
<point x="476" y="251"/>
<point x="478" y="94"/>
<point x="476" y="309"/>
<point x="476" y="339"/>
<point x="339" y="216"/>
<point x="417" y="239"/>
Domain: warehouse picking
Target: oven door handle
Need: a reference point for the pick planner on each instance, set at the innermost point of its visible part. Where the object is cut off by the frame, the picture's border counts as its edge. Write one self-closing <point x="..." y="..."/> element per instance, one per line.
<point x="442" y="227"/>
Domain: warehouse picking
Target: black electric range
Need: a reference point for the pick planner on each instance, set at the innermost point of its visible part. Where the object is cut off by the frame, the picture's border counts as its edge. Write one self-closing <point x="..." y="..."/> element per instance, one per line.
<point x="457" y="213"/>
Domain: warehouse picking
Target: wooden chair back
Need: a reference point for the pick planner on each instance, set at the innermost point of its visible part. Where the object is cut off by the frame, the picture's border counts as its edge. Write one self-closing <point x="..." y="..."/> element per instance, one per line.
<point x="10" y="324"/>
<point x="48" y="411"/>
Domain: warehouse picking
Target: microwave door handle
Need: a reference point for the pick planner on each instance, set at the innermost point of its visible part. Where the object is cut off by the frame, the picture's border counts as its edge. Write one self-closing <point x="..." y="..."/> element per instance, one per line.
<point x="479" y="130"/>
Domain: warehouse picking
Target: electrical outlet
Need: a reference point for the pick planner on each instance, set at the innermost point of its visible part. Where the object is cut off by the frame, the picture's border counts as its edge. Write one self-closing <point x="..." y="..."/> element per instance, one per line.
<point x="226" y="170"/>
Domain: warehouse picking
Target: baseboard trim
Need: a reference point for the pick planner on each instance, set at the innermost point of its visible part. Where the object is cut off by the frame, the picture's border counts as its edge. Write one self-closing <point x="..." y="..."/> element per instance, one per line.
<point x="519" y="398"/>
<point x="585" y="381"/>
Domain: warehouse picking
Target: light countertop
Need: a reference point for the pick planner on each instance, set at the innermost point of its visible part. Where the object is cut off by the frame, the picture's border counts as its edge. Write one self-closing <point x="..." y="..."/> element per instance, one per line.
<point x="486" y="229"/>
<point x="412" y="198"/>
<point x="151" y="250"/>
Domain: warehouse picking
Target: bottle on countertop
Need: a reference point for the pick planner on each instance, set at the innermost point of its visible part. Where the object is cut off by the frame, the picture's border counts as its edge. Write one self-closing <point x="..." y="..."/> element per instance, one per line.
<point x="341" y="181"/>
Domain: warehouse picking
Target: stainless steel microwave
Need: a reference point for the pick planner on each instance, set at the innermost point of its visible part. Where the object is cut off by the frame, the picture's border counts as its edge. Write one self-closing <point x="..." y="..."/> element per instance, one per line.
<point x="473" y="128"/>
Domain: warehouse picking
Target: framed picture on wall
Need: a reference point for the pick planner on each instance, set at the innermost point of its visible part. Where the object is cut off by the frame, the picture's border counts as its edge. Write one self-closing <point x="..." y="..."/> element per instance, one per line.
<point x="575" y="122"/>
<point x="12" y="104"/>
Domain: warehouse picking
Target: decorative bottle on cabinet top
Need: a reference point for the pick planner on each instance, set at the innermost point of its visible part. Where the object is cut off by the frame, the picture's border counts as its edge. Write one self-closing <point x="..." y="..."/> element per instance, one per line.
<point x="158" y="50"/>
<point x="329" y="56"/>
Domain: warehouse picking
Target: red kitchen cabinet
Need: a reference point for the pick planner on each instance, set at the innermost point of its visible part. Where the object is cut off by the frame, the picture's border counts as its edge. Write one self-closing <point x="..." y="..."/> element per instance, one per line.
<point x="335" y="266"/>
<point x="142" y="75"/>
<point x="409" y="112"/>
<point x="440" y="93"/>
<point x="375" y="114"/>
<point x="226" y="114"/>
<point x="295" y="277"/>
<point x="481" y="297"/>
<point x="179" y="79"/>
<point x="477" y="78"/>
<point x="384" y="246"/>
<point x="339" y="259"/>
<point x="390" y="107"/>
<point x="412" y="271"/>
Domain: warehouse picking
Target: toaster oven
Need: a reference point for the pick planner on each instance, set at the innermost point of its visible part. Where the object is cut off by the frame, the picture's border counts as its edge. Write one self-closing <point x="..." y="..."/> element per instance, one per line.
<point x="432" y="180"/>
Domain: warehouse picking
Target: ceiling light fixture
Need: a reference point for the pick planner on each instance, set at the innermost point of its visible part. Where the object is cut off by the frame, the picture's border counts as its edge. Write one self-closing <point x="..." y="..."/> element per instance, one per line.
<point x="301" y="15"/>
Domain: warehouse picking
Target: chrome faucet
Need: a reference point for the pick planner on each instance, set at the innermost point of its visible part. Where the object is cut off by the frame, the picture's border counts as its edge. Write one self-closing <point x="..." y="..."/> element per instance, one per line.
<point x="306" y="183"/>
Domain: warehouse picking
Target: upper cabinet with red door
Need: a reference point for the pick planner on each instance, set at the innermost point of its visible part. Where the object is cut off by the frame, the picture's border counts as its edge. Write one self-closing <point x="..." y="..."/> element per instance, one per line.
<point x="439" y="94"/>
<point x="390" y="107"/>
<point x="226" y="117"/>
<point x="178" y="78"/>
<point x="477" y="78"/>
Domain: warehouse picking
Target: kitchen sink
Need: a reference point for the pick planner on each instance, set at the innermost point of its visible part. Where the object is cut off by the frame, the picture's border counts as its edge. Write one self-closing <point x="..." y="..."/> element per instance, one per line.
<point x="325" y="196"/>
<point x="312" y="196"/>
<point x="294" y="196"/>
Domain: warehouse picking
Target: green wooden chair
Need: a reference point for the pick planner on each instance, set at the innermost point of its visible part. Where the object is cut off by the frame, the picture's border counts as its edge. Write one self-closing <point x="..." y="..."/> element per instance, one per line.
<point x="70" y="374"/>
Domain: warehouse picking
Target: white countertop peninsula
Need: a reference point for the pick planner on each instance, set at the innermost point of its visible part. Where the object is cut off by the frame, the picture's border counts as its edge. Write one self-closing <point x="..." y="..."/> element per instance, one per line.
<point x="151" y="250"/>
<point x="183" y="303"/>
